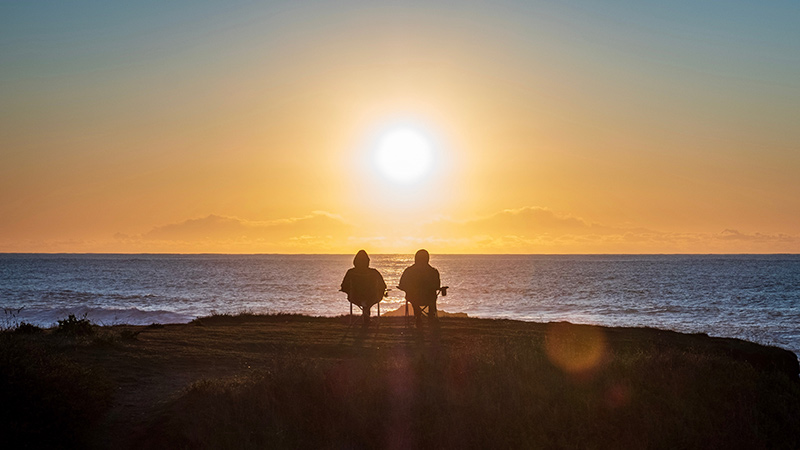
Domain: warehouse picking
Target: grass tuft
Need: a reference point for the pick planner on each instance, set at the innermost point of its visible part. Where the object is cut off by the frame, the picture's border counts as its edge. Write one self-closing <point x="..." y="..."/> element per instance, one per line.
<point x="244" y="317"/>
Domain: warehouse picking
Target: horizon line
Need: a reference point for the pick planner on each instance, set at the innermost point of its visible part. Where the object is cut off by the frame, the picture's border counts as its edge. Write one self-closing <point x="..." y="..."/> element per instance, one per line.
<point x="411" y="253"/>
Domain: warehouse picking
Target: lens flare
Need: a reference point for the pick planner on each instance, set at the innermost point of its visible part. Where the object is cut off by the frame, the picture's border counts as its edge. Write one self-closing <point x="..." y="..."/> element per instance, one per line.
<point x="575" y="348"/>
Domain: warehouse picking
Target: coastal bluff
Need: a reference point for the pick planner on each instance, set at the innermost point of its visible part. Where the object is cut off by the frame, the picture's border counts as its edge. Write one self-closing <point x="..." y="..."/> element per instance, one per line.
<point x="287" y="381"/>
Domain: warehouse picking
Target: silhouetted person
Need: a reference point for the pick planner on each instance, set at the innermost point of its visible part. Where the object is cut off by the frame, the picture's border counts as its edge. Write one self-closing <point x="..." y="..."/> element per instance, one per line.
<point x="364" y="285"/>
<point x="421" y="283"/>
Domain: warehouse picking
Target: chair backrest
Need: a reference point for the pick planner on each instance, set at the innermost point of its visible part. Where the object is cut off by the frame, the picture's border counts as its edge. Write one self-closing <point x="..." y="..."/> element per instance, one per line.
<point x="364" y="289"/>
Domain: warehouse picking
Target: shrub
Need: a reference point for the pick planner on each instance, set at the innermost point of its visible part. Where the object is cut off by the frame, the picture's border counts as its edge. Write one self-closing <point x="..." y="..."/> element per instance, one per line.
<point x="72" y="326"/>
<point x="27" y="328"/>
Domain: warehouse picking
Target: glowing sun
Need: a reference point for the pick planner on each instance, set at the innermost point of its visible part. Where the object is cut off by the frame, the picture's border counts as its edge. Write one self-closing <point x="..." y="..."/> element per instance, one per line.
<point x="404" y="155"/>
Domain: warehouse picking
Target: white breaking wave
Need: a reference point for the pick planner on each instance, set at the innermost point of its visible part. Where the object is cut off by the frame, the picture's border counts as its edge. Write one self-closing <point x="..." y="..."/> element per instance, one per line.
<point x="47" y="318"/>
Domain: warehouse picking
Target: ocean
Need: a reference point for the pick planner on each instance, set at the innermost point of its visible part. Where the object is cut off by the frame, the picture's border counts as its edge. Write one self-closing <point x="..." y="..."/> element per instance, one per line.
<point x="752" y="297"/>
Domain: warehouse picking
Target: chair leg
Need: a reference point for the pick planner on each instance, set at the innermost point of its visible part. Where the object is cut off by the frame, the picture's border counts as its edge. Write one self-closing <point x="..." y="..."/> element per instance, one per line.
<point x="352" y="317"/>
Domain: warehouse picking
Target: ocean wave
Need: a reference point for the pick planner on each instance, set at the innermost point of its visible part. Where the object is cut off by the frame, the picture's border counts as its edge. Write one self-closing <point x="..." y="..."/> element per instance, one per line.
<point x="46" y="318"/>
<point x="746" y="297"/>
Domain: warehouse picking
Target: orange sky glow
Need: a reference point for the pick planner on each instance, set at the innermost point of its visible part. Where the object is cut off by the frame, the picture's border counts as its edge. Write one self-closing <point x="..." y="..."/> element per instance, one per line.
<point x="252" y="128"/>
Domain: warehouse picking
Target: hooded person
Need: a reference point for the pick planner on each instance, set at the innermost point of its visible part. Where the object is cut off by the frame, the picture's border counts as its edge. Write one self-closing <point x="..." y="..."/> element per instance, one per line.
<point x="421" y="282"/>
<point x="364" y="285"/>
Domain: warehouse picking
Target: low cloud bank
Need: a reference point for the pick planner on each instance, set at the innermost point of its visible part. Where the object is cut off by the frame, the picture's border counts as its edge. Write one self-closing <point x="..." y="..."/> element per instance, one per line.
<point x="529" y="229"/>
<point x="319" y="231"/>
<point x="541" y="230"/>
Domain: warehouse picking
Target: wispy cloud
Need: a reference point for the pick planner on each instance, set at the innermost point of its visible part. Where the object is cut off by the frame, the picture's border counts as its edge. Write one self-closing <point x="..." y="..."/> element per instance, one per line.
<point x="534" y="229"/>
<point x="526" y="221"/>
<point x="529" y="229"/>
<point x="319" y="231"/>
<point x="221" y="227"/>
<point x="735" y="235"/>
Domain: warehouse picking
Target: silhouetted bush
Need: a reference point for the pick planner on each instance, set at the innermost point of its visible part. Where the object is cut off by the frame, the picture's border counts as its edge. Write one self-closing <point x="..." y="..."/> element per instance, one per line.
<point x="27" y="328"/>
<point x="72" y="326"/>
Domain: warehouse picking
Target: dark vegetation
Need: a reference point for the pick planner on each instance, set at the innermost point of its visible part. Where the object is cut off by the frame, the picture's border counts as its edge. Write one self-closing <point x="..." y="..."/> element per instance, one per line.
<point x="289" y="381"/>
<point x="72" y="326"/>
<point x="48" y="400"/>
<point x="27" y="328"/>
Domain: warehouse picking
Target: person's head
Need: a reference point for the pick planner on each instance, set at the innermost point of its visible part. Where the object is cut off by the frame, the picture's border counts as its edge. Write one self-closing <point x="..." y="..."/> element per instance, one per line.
<point x="361" y="259"/>
<point x="422" y="257"/>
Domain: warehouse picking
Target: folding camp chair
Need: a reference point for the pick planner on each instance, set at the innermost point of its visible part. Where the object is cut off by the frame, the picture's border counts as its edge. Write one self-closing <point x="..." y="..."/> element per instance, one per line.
<point x="361" y="308"/>
<point x="426" y="310"/>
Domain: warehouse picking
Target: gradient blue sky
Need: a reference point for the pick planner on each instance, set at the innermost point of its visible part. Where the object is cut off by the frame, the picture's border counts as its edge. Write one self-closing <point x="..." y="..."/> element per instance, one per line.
<point x="656" y="126"/>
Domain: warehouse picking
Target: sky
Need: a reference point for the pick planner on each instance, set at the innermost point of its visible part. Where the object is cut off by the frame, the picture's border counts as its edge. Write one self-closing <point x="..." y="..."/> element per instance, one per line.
<point x="570" y="126"/>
